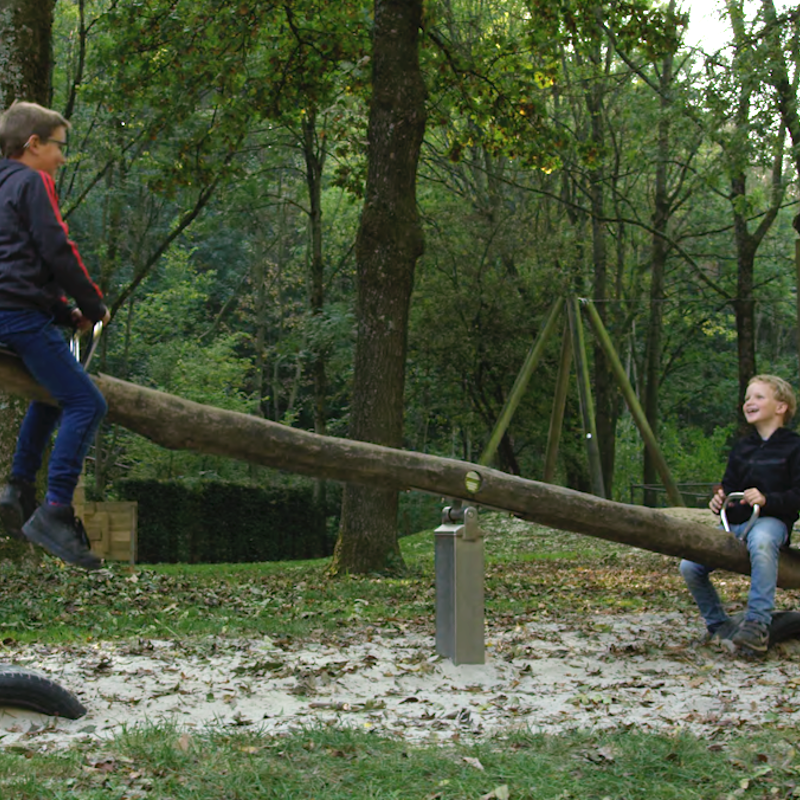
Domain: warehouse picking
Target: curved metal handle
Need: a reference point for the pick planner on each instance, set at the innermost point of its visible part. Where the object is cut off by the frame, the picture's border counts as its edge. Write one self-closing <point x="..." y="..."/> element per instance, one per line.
<point x="75" y="345"/>
<point x="723" y="516"/>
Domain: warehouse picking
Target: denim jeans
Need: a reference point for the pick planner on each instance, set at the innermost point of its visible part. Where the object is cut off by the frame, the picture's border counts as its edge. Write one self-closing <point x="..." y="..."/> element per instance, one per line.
<point x="763" y="542"/>
<point x="44" y="350"/>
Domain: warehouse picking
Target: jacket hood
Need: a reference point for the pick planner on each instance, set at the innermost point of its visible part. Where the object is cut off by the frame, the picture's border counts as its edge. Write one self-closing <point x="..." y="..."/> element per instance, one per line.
<point x="8" y="166"/>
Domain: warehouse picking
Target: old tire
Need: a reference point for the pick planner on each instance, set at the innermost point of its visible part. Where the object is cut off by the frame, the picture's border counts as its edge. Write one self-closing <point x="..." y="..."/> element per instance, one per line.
<point x="24" y="688"/>
<point x="785" y="625"/>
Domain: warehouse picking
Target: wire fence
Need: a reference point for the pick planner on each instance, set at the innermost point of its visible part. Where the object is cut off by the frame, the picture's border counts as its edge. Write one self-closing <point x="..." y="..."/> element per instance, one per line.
<point x="695" y="495"/>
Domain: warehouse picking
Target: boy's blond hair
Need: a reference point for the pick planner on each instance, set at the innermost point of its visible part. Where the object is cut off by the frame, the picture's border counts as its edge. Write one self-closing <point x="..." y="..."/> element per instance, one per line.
<point x="23" y="120"/>
<point x="782" y="390"/>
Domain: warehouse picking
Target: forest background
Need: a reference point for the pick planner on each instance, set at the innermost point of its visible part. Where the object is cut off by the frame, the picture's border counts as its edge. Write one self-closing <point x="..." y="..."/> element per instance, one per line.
<point x="215" y="183"/>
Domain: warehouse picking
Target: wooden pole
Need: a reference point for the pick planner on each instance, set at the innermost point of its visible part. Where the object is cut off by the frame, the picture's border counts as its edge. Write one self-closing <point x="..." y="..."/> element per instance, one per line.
<point x="559" y="403"/>
<point x="521" y="383"/>
<point x="585" y="397"/>
<point x="183" y="425"/>
<point x="797" y="296"/>
<point x="632" y="400"/>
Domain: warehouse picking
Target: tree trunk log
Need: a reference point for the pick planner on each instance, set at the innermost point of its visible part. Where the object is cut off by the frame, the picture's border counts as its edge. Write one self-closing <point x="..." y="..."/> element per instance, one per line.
<point x="388" y="244"/>
<point x="183" y="425"/>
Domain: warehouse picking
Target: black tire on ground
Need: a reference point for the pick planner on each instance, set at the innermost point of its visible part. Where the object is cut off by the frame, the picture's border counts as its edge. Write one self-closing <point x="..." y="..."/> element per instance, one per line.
<point x="785" y="625"/>
<point x="24" y="688"/>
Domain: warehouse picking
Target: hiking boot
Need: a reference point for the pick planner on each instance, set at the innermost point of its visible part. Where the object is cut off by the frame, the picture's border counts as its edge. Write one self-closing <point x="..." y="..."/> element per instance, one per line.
<point x="752" y="635"/>
<point x="17" y="504"/>
<point x="60" y="532"/>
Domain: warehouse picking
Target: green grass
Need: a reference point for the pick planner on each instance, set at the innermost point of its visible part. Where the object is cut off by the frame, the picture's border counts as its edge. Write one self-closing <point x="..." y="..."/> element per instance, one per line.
<point x="161" y="763"/>
<point x="530" y="571"/>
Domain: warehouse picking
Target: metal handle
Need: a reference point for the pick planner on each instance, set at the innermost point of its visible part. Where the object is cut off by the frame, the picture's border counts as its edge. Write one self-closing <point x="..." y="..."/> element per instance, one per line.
<point x="75" y="345"/>
<point x="723" y="516"/>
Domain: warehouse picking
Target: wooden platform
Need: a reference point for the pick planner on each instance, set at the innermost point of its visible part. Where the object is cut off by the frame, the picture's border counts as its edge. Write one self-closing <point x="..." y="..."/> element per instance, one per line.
<point x="111" y="527"/>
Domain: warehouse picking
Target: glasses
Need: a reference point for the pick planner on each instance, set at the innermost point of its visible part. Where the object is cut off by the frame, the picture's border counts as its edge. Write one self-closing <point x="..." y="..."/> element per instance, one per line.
<point x="62" y="146"/>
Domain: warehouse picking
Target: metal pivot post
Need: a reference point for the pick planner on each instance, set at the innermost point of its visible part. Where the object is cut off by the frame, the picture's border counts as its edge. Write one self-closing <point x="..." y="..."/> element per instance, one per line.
<point x="459" y="586"/>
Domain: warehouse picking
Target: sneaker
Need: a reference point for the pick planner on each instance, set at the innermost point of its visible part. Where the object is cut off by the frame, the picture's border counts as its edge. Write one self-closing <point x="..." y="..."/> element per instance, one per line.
<point x="60" y="532"/>
<point x="717" y="634"/>
<point x="17" y="504"/>
<point x="752" y="635"/>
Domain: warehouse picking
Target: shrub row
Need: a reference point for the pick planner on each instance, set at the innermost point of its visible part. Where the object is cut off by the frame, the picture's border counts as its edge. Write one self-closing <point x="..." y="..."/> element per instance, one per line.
<point x="212" y="522"/>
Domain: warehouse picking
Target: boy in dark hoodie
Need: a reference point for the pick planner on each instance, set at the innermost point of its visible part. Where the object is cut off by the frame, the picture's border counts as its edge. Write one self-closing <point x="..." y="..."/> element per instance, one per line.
<point x="38" y="266"/>
<point x="765" y="466"/>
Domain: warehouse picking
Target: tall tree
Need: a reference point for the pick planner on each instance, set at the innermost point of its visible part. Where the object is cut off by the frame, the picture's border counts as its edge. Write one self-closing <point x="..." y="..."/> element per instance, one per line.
<point x="387" y="248"/>
<point x="25" y="50"/>
<point x="25" y="66"/>
<point x="662" y="210"/>
<point x="777" y="73"/>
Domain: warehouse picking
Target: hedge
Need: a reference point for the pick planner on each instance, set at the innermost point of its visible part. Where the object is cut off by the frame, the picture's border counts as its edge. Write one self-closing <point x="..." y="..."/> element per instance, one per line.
<point x="214" y="522"/>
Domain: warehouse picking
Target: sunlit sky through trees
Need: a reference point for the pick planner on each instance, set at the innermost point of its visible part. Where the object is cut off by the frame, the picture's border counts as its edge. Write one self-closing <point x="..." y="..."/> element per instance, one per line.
<point x="709" y="28"/>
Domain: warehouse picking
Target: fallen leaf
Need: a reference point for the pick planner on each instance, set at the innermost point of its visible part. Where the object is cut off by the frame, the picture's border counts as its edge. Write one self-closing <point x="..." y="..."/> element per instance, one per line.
<point x="498" y="793"/>
<point x="473" y="762"/>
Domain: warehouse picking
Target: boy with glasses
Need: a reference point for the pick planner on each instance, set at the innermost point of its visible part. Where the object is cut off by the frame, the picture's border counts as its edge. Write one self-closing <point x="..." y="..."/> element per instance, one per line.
<point x="39" y="265"/>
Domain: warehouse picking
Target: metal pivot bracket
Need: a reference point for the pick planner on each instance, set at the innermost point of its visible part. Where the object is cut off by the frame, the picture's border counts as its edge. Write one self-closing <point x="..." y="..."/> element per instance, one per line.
<point x="459" y="586"/>
<point x="735" y="497"/>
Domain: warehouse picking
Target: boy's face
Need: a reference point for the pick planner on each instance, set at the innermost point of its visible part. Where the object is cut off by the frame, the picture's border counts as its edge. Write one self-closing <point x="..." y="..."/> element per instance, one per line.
<point x="760" y="404"/>
<point x="47" y="154"/>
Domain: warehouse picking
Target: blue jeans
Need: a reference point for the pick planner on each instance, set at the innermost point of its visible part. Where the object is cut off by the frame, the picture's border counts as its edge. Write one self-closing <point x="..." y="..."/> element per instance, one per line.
<point x="763" y="542"/>
<point x="45" y="352"/>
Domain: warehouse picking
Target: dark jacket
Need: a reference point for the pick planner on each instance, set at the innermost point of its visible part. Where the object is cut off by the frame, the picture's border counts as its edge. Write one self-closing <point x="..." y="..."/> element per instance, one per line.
<point x="38" y="262"/>
<point x="772" y="467"/>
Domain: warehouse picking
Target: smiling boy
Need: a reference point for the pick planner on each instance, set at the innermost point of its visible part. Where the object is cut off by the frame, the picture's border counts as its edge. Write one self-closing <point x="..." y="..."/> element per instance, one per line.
<point x="765" y="466"/>
<point x="39" y="265"/>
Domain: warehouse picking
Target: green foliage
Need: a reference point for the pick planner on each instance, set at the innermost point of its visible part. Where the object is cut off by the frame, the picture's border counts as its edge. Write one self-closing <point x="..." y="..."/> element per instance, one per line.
<point x="209" y="523"/>
<point x="692" y="456"/>
<point x="208" y="102"/>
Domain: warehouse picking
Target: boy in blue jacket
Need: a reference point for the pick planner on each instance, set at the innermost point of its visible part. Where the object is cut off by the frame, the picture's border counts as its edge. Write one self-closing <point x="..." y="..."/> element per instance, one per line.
<point x="765" y="466"/>
<point x="38" y="266"/>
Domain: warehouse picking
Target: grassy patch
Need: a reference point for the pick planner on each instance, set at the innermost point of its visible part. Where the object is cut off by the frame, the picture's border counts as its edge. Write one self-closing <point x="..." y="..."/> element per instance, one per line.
<point x="161" y="762"/>
<point x="530" y="572"/>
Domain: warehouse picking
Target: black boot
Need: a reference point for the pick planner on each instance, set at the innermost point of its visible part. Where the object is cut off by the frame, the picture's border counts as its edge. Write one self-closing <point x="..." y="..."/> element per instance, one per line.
<point x="17" y="504"/>
<point x="60" y="532"/>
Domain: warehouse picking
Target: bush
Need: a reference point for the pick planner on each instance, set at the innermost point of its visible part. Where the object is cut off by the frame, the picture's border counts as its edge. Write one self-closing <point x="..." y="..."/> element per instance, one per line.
<point x="213" y="522"/>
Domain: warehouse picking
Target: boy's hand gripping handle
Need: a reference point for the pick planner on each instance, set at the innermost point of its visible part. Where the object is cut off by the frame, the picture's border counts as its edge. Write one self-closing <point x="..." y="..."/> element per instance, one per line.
<point x="736" y="496"/>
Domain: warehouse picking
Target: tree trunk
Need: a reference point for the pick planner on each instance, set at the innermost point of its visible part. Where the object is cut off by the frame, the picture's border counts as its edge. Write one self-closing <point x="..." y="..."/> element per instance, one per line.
<point x="259" y="273"/>
<point x="388" y="245"/>
<point x="744" y="305"/>
<point x="25" y="51"/>
<point x="184" y="425"/>
<point x="661" y="215"/>
<point x="747" y="243"/>
<point x="604" y="388"/>
<point x="314" y="153"/>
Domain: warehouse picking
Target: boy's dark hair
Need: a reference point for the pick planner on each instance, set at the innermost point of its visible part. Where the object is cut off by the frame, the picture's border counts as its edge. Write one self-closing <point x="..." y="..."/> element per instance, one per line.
<point x="23" y="120"/>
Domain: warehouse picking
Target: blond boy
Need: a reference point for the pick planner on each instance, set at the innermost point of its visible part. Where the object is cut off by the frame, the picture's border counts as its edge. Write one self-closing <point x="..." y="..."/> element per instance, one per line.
<point x="765" y="466"/>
